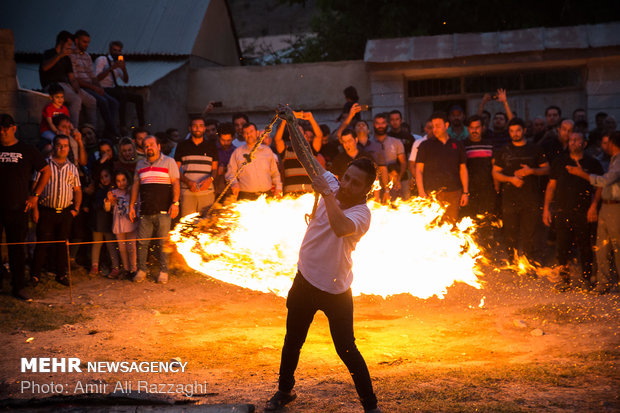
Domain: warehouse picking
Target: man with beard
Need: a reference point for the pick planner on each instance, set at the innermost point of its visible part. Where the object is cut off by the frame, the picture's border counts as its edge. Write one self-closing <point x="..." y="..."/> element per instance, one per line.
<point x="555" y="144"/>
<point x="499" y="134"/>
<point x="197" y="161"/>
<point x="479" y="153"/>
<point x="156" y="180"/>
<point x="608" y="229"/>
<point x="324" y="278"/>
<point x="517" y="168"/>
<point x="441" y="167"/>
<point x="577" y="203"/>
<point x="457" y="129"/>
<point x="394" y="156"/>
<point x="257" y="177"/>
<point x="126" y="156"/>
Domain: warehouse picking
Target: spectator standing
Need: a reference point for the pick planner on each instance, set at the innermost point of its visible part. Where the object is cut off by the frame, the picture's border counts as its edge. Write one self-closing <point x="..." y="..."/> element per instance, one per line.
<point x="608" y="230"/>
<point x="59" y="203"/>
<point x="77" y="151"/>
<point x="55" y="107"/>
<point x="596" y="134"/>
<point x="258" y="177"/>
<point x="156" y="181"/>
<point x="499" y="134"/>
<point x="555" y="144"/>
<point x="576" y="207"/>
<point x="441" y="167"/>
<point x="18" y="162"/>
<point x="123" y="228"/>
<point x="56" y="67"/>
<point x="457" y="129"/>
<point x="351" y="152"/>
<point x="517" y="167"/>
<point x="239" y="120"/>
<point x="399" y="132"/>
<point x="294" y="176"/>
<point x="85" y="76"/>
<point x="394" y="155"/>
<point x="225" y="150"/>
<point x="126" y="156"/>
<point x="110" y="70"/>
<point x="138" y="135"/>
<point x="101" y="224"/>
<point x="479" y="154"/>
<point x="197" y="160"/>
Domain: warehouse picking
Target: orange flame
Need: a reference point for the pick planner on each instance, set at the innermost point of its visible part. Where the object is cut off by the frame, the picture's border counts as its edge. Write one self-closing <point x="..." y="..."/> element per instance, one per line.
<point x="405" y="250"/>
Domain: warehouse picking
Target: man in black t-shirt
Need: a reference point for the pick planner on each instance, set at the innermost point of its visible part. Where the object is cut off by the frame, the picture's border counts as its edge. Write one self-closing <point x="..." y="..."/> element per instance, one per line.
<point x="576" y="202"/>
<point x="56" y="67"/>
<point x="18" y="161"/>
<point x="441" y="167"/>
<point x="351" y="152"/>
<point x="517" y="167"/>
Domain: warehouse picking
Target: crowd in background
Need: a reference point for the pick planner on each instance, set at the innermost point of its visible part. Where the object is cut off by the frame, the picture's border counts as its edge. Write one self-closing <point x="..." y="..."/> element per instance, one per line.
<point x="548" y="179"/>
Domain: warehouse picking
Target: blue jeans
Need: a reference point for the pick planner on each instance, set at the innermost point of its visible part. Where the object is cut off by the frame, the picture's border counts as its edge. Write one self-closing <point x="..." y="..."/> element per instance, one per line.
<point x="153" y="226"/>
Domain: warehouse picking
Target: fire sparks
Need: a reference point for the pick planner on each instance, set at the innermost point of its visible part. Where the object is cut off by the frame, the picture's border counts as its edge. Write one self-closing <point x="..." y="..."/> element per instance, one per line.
<point x="256" y="244"/>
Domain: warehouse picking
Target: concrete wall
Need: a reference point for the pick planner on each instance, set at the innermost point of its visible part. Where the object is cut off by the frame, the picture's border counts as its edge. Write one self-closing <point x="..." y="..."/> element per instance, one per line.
<point x="603" y="89"/>
<point x="165" y="101"/>
<point x="8" y="70"/>
<point x="259" y="89"/>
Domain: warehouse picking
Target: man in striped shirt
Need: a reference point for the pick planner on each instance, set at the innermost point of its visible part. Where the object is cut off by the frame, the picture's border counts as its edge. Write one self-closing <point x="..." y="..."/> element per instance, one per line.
<point x="197" y="161"/>
<point x="479" y="154"/>
<point x="157" y="181"/>
<point x="59" y="203"/>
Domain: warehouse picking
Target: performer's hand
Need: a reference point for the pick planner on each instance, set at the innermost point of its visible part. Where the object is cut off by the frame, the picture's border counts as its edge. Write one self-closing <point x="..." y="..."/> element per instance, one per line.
<point x="320" y="185"/>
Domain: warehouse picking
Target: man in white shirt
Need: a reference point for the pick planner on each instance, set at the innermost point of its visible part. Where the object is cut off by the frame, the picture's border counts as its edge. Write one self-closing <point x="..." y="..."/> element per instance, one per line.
<point x="110" y="70"/>
<point x="324" y="278"/>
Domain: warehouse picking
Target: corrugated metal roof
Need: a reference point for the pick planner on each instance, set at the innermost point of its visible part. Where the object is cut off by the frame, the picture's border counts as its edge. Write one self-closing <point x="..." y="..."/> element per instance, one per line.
<point x="160" y="27"/>
<point x="141" y="73"/>
<point x="408" y="49"/>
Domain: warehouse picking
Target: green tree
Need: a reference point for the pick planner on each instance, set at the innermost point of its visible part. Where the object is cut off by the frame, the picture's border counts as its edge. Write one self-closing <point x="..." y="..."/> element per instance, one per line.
<point x="344" y="26"/>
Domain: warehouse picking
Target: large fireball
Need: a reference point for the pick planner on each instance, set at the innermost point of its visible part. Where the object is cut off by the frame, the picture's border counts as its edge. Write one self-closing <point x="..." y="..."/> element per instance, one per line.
<point x="256" y="245"/>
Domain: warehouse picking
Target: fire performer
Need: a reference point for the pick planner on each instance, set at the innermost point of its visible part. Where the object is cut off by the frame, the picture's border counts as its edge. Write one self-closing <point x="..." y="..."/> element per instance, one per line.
<point x="324" y="273"/>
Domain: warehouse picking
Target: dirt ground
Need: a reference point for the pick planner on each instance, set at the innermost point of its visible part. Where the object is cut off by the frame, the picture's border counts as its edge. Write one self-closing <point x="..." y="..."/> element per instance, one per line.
<point x="528" y="348"/>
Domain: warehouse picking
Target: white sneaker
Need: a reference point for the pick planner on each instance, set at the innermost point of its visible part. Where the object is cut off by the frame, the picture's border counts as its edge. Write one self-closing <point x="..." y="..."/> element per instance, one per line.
<point x="163" y="278"/>
<point x="139" y="277"/>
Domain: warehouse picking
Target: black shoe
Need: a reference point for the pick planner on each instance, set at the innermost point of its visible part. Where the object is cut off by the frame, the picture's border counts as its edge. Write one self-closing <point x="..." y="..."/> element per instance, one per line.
<point x="63" y="280"/>
<point x="279" y="400"/>
<point x="22" y="295"/>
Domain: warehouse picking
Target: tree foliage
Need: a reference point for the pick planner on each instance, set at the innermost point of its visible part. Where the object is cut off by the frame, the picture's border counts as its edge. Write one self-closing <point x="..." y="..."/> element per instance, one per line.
<point x="343" y="26"/>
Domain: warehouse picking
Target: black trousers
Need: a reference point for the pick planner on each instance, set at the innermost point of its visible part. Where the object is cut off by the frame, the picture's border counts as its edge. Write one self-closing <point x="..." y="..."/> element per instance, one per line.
<point x="15" y="225"/>
<point x="303" y="301"/>
<point x="520" y="219"/>
<point x="123" y="96"/>
<point x="52" y="226"/>
<point x="572" y="228"/>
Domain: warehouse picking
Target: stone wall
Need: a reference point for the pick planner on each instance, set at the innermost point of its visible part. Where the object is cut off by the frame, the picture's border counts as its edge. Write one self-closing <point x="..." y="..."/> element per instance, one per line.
<point x="8" y="80"/>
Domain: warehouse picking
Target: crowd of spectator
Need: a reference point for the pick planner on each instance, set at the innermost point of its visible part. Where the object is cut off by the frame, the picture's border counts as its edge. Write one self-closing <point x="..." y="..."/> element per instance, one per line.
<point x="545" y="179"/>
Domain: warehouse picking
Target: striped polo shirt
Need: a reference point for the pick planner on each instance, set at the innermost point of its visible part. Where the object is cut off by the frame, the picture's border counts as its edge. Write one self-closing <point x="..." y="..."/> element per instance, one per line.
<point x="196" y="160"/>
<point x="58" y="193"/>
<point x="156" y="184"/>
<point x="479" y="165"/>
<point x="294" y="176"/>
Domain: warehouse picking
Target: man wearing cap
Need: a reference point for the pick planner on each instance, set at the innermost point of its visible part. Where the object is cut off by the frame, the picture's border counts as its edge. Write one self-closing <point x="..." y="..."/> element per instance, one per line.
<point x="18" y="160"/>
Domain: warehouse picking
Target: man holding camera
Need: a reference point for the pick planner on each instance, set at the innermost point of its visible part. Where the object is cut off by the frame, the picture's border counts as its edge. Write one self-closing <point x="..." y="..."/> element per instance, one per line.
<point x="110" y="69"/>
